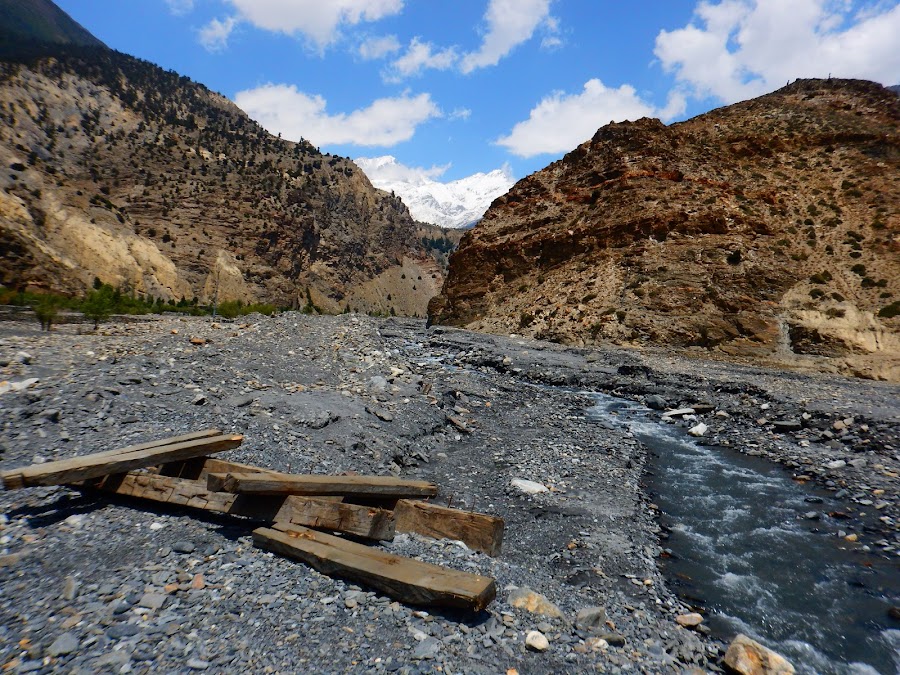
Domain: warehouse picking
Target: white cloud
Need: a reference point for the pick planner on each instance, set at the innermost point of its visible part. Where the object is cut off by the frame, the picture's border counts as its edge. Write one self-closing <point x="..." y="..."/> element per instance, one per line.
<point x="562" y="121"/>
<point x="180" y="7"/>
<point x="214" y="35"/>
<point x="419" y="56"/>
<point x="737" y="49"/>
<point x="509" y="23"/>
<point x="319" y="21"/>
<point x="386" y="170"/>
<point x="378" y="48"/>
<point x="460" y="114"/>
<point x="284" y="109"/>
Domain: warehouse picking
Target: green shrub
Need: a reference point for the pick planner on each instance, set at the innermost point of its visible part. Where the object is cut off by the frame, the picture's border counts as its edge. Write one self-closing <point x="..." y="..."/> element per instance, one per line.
<point x="890" y="311"/>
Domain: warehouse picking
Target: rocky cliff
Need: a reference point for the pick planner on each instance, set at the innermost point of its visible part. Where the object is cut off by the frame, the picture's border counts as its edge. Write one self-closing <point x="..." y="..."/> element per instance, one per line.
<point x="766" y="229"/>
<point x="114" y="168"/>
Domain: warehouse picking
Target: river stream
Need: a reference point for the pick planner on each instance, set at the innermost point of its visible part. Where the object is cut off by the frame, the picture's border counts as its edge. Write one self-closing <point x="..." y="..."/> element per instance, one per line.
<point x="761" y="554"/>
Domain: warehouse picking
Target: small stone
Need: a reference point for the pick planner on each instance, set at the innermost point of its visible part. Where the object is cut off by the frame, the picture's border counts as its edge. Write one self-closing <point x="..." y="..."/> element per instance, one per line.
<point x="24" y="358"/>
<point x="591" y="618"/>
<point x="655" y="402"/>
<point x="836" y="464"/>
<point x="64" y="644"/>
<point x="689" y="620"/>
<point x="183" y="547"/>
<point x="197" y="664"/>
<point x="153" y="600"/>
<point x="527" y="599"/>
<point x="537" y="641"/>
<point x="614" y="639"/>
<point x="679" y="412"/>
<point x="70" y="589"/>
<point x="122" y="630"/>
<point x="698" y="430"/>
<point x="748" y="657"/>
<point x="350" y="603"/>
<point x="427" y="649"/>
<point x="529" y="487"/>
<point x="198" y="583"/>
<point x="199" y="399"/>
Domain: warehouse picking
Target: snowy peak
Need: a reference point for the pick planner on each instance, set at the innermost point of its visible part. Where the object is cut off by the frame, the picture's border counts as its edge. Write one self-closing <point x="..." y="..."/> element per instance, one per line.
<point x="456" y="204"/>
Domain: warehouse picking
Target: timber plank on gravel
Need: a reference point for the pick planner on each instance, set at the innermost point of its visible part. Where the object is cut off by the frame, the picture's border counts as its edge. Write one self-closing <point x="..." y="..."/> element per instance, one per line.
<point x="280" y="484"/>
<point x="407" y="580"/>
<point x="118" y="461"/>
<point x="198" y="468"/>
<point x="361" y="521"/>
<point x="478" y="531"/>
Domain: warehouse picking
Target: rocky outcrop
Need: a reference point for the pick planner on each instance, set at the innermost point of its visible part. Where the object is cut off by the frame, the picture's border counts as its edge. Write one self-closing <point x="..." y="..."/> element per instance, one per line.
<point x="766" y="229"/>
<point x="748" y="657"/>
<point x="115" y="169"/>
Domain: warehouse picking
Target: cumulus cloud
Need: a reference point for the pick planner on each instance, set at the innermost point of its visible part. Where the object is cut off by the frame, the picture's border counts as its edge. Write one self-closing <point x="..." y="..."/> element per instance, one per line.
<point x="387" y="170"/>
<point x="419" y="56"/>
<point x="509" y="23"/>
<point x="284" y="109"/>
<point x="379" y="47"/>
<point x="562" y="121"/>
<point x="214" y="35"/>
<point x="180" y="7"/>
<point x="737" y="49"/>
<point x="319" y="21"/>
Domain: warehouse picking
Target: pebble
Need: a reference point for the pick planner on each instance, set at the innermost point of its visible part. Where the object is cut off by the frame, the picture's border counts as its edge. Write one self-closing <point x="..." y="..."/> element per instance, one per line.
<point x="529" y="487"/>
<point x="64" y="644"/>
<point x="527" y="599"/>
<point x="183" y="546"/>
<point x="689" y="620"/>
<point x="537" y="641"/>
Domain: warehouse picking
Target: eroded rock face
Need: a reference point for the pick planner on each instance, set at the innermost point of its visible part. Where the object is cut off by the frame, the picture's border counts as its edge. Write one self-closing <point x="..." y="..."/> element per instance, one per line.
<point x="114" y="168"/>
<point x="765" y="227"/>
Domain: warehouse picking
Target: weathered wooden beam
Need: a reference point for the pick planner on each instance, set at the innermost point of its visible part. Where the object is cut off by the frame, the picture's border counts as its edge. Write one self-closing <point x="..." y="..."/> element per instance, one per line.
<point x="410" y="581"/>
<point x="112" y="462"/>
<point x="478" y="531"/>
<point x="361" y="521"/>
<point x="198" y="468"/>
<point x="284" y="483"/>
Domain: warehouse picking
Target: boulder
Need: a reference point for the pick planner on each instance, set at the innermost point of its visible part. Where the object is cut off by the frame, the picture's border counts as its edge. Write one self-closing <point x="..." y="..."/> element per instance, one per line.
<point x="527" y="599"/>
<point x="748" y="657"/>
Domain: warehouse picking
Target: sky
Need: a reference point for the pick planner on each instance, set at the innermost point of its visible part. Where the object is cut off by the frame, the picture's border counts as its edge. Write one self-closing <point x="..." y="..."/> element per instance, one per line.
<point x="451" y="88"/>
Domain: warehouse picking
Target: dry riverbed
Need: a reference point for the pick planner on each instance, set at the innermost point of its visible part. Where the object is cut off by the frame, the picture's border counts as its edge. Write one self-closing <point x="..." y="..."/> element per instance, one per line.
<point x="84" y="577"/>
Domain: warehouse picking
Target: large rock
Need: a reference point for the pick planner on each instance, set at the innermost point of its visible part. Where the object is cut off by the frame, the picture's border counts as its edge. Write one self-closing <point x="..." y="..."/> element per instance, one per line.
<point x="748" y="657"/>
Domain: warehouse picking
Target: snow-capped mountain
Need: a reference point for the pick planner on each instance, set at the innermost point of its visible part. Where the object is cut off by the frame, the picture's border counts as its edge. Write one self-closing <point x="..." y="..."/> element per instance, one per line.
<point x="458" y="203"/>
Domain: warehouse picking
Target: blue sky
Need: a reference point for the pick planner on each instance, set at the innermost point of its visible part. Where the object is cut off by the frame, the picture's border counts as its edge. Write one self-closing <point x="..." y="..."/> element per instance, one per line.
<point x="451" y="88"/>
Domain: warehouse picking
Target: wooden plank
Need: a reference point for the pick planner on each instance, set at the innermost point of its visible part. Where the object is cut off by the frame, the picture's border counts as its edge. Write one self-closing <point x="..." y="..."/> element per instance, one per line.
<point x="361" y="521"/>
<point x="285" y="483"/>
<point x="90" y="466"/>
<point x="478" y="531"/>
<point x="410" y="581"/>
<point x="198" y="468"/>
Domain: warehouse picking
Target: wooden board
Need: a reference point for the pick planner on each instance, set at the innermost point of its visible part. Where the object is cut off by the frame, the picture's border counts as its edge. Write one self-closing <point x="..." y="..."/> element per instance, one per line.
<point x="361" y="521"/>
<point x="410" y="581"/>
<point x="111" y="462"/>
<point x="478" y="531"/>
<point x="198" y="468"/>
<point x="284" y="483"/>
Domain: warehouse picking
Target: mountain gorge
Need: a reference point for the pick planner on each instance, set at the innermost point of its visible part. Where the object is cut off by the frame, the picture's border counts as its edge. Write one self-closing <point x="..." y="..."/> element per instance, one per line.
<point x="766" y="230"/>
<point x="119" y="170"/>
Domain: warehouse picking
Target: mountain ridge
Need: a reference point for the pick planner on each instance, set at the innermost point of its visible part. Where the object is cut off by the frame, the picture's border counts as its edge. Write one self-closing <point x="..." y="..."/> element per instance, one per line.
<point x="123" y="171"/>
<point x="763" y="230"/>
<point x="42" y="21"/>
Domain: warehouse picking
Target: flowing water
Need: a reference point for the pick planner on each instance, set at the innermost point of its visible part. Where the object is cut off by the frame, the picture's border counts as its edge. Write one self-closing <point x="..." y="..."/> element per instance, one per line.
<point x="742" y="544"/>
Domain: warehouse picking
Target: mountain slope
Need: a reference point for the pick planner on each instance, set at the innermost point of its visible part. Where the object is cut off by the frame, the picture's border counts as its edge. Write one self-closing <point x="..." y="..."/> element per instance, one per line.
<point x="764" y="229"/>
<point x="457" y="204"/>
<point x="41" y="21"/>
<point x="122" y="171"/>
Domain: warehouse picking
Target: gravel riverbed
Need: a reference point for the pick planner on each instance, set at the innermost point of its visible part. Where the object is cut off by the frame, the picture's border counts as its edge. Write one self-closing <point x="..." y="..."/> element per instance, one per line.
<point x="94" y="585"/>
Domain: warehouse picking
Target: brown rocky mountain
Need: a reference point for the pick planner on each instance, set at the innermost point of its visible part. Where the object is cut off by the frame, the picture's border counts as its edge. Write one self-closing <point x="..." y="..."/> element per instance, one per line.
<point x="767" y="229"/>
<point x="117" y="169"/>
